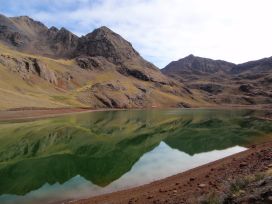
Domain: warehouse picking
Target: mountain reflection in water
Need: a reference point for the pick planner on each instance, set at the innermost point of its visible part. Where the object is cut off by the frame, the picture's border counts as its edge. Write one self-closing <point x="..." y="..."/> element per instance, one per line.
<point x="93" y="153"/>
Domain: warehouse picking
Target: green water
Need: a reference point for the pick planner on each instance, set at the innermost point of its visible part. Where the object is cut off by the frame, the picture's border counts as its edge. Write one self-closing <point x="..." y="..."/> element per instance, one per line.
<point x="93" y="153"/>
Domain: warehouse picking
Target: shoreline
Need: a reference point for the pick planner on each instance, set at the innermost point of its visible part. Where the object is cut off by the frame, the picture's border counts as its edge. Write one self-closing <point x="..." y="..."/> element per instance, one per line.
<point x="196" y="183"/>
<point x="32" y="114"/>
<point x="40" y="113"/>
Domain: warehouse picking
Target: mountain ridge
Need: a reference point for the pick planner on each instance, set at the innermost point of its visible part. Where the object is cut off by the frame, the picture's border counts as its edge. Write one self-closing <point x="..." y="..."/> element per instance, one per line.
<point x="51" y="67"/>
<point x="223" y="82"/>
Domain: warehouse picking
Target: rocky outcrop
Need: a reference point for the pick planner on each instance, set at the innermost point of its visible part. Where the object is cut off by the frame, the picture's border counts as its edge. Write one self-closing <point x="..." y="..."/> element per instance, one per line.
<point x="245" y="88"/>
<point x="209" y="87"/>
<point x="43" y="71"/>
<point x="134" y="73"/>
<point x="94" y="63"/>
<point x="113" y="95"/>
<point x="62" y="42"/>
<point x="27" y="67"/>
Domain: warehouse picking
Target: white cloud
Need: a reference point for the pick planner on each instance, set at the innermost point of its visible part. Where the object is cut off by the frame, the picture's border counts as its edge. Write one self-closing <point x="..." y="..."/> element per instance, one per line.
<point x="162" y="31"/>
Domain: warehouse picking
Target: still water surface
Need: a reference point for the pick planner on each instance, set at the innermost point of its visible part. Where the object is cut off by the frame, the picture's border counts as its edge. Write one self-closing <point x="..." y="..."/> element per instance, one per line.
<point x="87" y="154"/>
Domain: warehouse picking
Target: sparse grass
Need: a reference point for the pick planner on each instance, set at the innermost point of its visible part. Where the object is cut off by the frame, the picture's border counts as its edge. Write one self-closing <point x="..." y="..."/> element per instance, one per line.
<point x="212" y="198"/>
<point x="259" y="176"/>
<point x="239" y="185"/>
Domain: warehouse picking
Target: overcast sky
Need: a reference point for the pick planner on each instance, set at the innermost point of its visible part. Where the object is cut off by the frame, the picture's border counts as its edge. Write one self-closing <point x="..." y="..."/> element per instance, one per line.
<point x="165" y="30"/>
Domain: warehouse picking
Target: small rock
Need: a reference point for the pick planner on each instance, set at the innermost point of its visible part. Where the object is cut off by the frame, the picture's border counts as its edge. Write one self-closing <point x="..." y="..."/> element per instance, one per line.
<point x="261" y="183"/>
<point x="149" y="197"/>
<point x="242" y="192"/>
<point x="269" y="198"/>
<point x="252" y="199"/>
<point x="175" y="191"/>
<point x="243" y="164"/>
<point x="202" y="185"/>
<point x="192" y="179"/>
<point x="269" y="165"/>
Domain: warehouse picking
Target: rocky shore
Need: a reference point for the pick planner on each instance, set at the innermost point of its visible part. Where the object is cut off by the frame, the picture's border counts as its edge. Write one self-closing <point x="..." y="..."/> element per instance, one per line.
<point x="245" y="177"/>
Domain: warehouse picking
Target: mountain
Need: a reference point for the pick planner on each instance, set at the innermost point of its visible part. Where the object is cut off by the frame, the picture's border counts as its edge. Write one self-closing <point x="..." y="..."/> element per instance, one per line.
<point x="51" y="67"/>
<point x="26" y="34"/>
<point x="223" y="82"/>
<point x="261" y="66"/>
<point x="197" y="67"/>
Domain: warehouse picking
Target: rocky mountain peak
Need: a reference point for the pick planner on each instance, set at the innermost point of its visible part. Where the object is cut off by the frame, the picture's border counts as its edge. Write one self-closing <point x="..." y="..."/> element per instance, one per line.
<point x="106" y="43"/>
<point x="64" y="30"/>
<point x="26" y="23"/>
<point x="191" y="56"/>
<point x="53" y="28"/>
<point x="23" y="18"/>
<point x="103" y="30"/>
<point x="194" y="64"/>
<point x="102" y="33"/>
<point x="66" y="35"/>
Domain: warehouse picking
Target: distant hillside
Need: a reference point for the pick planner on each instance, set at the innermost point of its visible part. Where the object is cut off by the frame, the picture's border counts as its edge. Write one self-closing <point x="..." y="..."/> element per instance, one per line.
<point x="192" y="65"/>
<point x="223" y="82"/>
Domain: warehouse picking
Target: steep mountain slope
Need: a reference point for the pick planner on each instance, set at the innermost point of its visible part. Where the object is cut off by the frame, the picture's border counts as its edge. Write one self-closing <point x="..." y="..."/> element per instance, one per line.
<point x="43" y="67"/>
<point x="223" y="82"/>
<point x="25" y="34"/>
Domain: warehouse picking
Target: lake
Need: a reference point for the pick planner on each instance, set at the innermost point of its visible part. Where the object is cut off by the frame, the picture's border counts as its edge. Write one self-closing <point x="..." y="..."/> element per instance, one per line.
<point x="87" y="154"/>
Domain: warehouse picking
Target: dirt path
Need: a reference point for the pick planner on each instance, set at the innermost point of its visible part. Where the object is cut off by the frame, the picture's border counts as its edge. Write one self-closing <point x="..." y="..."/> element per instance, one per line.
<point x="196" y="184"/>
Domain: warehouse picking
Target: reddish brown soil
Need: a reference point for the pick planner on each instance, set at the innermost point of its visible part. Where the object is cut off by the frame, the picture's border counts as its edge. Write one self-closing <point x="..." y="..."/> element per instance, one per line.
<point x="190" y="186"/>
